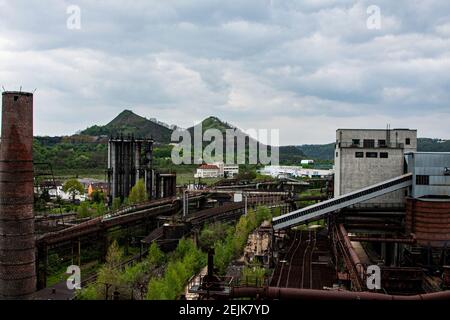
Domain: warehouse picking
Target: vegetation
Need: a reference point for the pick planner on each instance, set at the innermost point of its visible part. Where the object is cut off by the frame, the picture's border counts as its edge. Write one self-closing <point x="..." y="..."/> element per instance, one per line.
<point x="253" y="275"/>
<point x="185" y="262"/>
<point x="74" y="188"/>
<point x="116" y="204"/>
<point x="179" y="266"/>
<point x="98" y="197"/>
<point x="87" y="209"/>
<point x="213" y="233"/>
<point x="112" y="278"/>
<point x="318" y="151"/>
<point x="128" y="123"/>
<point x="66" y="154"/>
<point x="138" y="193"/>
<point x="233" y="245"/>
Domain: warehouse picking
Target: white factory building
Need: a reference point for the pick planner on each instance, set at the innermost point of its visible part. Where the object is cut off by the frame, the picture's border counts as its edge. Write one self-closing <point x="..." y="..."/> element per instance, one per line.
<point x="294" y="171"/>
<point x="217" y="170"/>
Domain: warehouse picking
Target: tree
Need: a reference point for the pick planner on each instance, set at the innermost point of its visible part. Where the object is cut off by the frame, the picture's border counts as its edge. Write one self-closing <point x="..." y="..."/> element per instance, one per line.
<point x="98" y="196"/>
<point x="109" y="274"/>
<point x="73" y="187"/>
<point x="139" y="193"/>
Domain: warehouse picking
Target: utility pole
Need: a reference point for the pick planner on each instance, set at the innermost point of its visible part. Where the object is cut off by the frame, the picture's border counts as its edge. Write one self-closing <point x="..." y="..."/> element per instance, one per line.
<point x="185" y="203"/>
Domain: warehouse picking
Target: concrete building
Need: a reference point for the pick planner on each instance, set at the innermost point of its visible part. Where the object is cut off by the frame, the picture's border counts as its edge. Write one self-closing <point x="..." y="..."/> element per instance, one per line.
<point x="207" y="171"/>
<point x="227" y="171"/>
<point x="364" y="157"/>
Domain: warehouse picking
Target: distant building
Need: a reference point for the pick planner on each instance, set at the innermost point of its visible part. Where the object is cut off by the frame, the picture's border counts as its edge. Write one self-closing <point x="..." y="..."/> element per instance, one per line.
<point x="230" y="171"/>
<point x="364" y="157"/>
<point x="294" y="171"/>
<point x="227" y="171"/>
<point x="307" y="162"/>
<point x="207" y="171"/>
<point x="100" y="186"/>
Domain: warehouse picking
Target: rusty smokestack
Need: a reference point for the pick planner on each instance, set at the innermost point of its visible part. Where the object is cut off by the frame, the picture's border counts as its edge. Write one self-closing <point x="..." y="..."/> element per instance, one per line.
<point x="17" y="239"/>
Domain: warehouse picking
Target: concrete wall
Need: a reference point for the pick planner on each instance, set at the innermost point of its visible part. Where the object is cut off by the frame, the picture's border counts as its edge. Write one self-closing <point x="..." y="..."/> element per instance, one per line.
<point x="352" y="173"/>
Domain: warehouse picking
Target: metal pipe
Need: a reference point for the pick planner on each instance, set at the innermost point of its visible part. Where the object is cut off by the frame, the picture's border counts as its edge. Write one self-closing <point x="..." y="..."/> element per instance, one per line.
<point x="375" y="239"/>
<point x="353" y="255"/>
<point x="311" y="294"/>
<point x="17" y="238"/>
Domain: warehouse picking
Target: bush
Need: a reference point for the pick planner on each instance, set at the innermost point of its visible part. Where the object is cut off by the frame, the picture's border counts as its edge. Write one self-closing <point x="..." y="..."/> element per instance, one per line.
<point x="186" y="261"/>
<point x="253" y="276"/>
<point x="83" y="210"/>
<point x="213" y="233"/>
<point x="155" y="256"/>
<point x="138" y="193"/>
<point x="232" y="247"/>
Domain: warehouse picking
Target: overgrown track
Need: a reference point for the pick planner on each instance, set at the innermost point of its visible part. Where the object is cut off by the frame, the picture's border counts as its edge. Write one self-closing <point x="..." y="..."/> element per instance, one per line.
<point x="296" y="270"/>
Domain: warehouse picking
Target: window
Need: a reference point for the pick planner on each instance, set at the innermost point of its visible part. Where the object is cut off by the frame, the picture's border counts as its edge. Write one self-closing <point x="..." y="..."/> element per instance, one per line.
<point x="384" y="155"/>
<point x="422" y="180"/>
<point x="355" y="142"/>
<point x="359" y="154"/>
<point x="371" y="154"/>
<point x="337" y="154"/>
<point x="369" y="143"/>
<point x="408" y="141"/>
<point x="381" y="143"/>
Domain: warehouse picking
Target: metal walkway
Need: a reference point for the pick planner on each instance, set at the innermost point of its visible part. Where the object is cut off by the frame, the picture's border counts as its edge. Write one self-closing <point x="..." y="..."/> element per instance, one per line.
<point x="318" y="211"/>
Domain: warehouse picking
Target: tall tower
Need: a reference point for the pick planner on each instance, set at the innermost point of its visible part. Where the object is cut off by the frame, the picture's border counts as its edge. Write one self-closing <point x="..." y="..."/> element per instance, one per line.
<point x="17" y="238"/>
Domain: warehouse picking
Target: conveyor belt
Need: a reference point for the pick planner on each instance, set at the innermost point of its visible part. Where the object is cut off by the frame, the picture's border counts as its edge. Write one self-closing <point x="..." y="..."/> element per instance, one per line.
<point x="318" y="211"/>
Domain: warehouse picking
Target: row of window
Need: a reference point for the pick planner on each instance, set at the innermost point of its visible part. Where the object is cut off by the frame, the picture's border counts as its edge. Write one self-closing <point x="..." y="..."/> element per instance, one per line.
<point x="370" y="143"/>
<point x="422" y="180"/>
<point x="383" y="155"/>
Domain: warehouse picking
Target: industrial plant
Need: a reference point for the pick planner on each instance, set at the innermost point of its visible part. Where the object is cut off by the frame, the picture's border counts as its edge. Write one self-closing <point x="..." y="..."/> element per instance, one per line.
<point x="376" y="228"/>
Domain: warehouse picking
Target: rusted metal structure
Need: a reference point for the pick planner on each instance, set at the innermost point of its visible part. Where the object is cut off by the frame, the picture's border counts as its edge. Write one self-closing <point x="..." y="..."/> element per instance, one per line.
<point x="429" y="220"/>
<point x="165" y="185"/>
<point x="95" y="231"/>
<point x="129" y="160"/>
<point x="17" y="243"/>
<point x="276" y="293"/>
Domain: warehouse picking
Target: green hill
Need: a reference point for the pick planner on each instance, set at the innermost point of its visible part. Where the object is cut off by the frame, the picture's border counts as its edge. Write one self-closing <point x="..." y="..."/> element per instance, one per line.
<point x="127" y="123"/>
<point x="288" y="154"/>
<point x="433" y="145"/>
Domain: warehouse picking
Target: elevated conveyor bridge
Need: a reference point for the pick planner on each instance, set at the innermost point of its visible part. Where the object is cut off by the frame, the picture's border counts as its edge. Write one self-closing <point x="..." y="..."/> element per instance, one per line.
<point x="320" y="210"/>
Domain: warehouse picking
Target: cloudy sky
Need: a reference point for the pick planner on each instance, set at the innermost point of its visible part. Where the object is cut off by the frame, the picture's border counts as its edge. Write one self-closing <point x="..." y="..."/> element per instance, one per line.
<point x="304" y="67"/>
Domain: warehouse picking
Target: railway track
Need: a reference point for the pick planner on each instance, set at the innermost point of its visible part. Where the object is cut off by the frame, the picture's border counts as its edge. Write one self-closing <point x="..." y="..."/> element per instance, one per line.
<point x="284" y="270"/>
<point x="296" y="270"/>
<point x="307" y="272"/>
